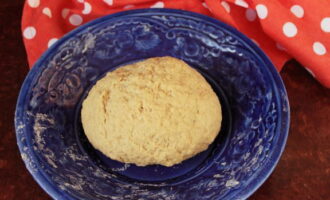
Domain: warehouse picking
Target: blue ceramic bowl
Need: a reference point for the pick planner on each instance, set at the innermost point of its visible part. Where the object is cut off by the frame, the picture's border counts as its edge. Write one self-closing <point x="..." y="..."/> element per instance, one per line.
<point x="256" y="111"/>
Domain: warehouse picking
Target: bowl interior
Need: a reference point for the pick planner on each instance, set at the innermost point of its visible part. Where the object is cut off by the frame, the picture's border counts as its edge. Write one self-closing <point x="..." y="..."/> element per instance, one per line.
<point x="254" y="100"/>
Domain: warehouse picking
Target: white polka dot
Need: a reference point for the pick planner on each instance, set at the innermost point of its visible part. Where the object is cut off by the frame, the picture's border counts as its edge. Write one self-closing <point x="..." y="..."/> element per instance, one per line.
<point x="75" y="20"/>
<point x="325" y="24"/>
<point x="262" y="11"/>
<point x="46" y="11"/>
<point x="129" y="6"/>
<point x="241" y="3"/>
<point x="29" y="32"/>
<point x="33" y="3"/>
<point x="158" y="4"/>
<point x="109" y="2"/>
<point x="319" y="48"/>
<point x="87" y="8"/>
<point x="280" y="47"/>
<point x="65" y="12"/>
<point x="226" y="6"/>
<point x="81" y="1"/>
<point x="310" y="71"/>
<point x="289" y="29"/>
<point x="205" y="5"/>
<point x="51" y="42"/>
<point x="297" y="10"/>
<point x="250" y="14"/>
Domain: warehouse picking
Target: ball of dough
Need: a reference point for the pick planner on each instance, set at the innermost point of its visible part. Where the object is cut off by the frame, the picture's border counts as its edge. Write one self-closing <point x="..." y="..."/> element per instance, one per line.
<point x="157" y="111"/>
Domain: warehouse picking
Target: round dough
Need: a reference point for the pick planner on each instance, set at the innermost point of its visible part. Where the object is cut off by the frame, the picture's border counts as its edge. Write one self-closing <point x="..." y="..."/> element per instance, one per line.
<point x="157" y="111"/>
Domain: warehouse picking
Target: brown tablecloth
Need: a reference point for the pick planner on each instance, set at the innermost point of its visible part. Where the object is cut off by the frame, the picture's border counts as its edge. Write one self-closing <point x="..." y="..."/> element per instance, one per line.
<point x="302" y="173"/>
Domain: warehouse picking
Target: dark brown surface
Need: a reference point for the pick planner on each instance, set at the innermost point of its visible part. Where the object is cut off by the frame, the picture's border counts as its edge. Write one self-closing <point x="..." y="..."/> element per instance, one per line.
<point x="302" y="173"/>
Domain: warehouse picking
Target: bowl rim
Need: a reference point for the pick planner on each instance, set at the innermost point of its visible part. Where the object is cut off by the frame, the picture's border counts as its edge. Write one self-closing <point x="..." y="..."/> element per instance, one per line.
<point x="277" y="84"/>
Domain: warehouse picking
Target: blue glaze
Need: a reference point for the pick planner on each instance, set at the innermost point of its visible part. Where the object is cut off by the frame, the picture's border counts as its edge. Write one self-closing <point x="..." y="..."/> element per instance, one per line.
<point x="59" y="157"/>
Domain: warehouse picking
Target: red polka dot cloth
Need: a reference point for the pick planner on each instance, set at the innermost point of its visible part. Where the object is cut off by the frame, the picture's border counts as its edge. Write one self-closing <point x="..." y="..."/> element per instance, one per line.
<point x="284" y="29"/>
